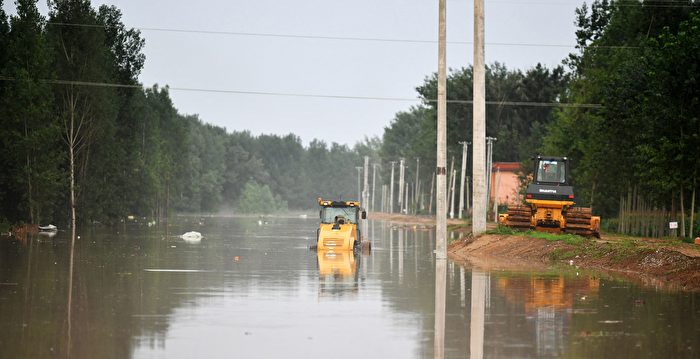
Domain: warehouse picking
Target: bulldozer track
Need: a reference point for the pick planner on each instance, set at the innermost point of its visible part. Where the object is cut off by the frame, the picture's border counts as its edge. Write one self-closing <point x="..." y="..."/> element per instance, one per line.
<point x="579" y="221"/>
<point x="519" y="217"/>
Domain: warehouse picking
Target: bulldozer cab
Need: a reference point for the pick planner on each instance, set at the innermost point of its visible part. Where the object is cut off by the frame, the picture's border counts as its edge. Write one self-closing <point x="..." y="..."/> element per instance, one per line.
<point x="551" y="170"/>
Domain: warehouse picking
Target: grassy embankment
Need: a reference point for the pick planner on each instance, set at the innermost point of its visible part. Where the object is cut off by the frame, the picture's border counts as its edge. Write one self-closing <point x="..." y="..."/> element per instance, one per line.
<point x="621" y="248"/>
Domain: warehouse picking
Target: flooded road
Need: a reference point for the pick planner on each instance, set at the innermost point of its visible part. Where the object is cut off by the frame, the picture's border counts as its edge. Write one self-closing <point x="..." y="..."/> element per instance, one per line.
<point x="256" y="291"/>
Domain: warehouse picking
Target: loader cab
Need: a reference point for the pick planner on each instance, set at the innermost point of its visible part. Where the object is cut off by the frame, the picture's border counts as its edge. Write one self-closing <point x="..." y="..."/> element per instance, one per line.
<point x="551" y="171"/>
<point x="339" y="228"/>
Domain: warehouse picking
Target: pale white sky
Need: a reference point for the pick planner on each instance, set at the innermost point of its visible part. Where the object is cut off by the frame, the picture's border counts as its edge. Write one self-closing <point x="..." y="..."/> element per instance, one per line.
<point x="323" y="66"/>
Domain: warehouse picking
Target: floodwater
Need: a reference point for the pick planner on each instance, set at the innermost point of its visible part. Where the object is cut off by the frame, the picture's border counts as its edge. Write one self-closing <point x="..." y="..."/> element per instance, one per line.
<point x="256" y="291"/>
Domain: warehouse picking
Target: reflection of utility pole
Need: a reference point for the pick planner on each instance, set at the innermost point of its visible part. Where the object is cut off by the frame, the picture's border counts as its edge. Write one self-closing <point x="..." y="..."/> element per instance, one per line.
<point x="465" y="151"/>
<point x="359" y="190"/>
<point x="391" y="189"/>
<point x="401" y="184"/>
<point x="476" y="326"/>
<point x="374" y="180"/>
<point x="489" y="165"/>
<point x="479" y="127"/>
<point x="440" y="299"/>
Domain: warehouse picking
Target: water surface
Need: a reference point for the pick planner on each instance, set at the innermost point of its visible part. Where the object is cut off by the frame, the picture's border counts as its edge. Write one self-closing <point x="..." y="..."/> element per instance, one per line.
<point x="256" y="291"/>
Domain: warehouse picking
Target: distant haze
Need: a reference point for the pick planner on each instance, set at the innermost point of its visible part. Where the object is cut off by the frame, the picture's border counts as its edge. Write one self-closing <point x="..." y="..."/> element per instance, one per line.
<point x="324" y="66"/>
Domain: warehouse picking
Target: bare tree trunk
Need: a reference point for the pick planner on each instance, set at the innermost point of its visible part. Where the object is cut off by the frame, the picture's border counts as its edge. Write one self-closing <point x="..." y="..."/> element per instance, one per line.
<point x="682" y="215"/>
<point x="692" y="206"/>
<point x="30" y="191"/>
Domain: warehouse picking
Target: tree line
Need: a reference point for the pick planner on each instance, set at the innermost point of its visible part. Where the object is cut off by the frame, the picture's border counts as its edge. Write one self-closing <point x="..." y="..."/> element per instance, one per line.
<point x="641" y="150"/>
<point x="71" y="139"/>
<point x="80" y="132"/>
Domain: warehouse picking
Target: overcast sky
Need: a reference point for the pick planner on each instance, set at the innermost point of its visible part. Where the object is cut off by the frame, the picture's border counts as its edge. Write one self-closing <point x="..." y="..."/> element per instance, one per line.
<point x="326" y="66"/>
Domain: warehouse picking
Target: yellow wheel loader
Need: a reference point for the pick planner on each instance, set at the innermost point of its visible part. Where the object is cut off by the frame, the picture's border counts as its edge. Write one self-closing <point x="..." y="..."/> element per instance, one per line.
<point x="339" y="229"/>
<point x="550" y="203"/>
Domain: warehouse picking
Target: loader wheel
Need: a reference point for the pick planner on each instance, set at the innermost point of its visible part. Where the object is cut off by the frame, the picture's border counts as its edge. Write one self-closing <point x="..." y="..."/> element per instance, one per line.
<point x="578" y="221"/>
<point x="519" y="217"/>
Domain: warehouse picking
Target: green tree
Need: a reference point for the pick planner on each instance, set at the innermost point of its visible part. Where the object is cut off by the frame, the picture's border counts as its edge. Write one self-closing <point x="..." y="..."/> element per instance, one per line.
<point x="639" y="61"/>
<point x="30" y="130"/>
<point x="257" y="198"/>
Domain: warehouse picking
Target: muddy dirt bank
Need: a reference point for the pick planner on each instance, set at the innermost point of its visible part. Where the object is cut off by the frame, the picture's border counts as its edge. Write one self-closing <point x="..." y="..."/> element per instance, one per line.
<point x="410" y="219"/>
<point x="657" y="264"/>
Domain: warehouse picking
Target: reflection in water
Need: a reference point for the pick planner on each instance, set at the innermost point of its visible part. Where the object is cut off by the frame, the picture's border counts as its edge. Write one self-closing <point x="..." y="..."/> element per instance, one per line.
<point x="549" y="300"/>
<point x="440" y="304"/>
<point x="337" y="273"/>
<point x="476" y="342"/>
<point x="69" y="301"/>
<point x="336" y="264"/>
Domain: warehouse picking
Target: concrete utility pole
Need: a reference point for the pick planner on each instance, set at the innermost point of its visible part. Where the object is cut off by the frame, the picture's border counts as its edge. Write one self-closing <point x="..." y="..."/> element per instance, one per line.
<point x="465" y="147"/>
<point x="452" y="194"/>
<point x="359" y="190"/>
<point x="415" y="192"/>
<point x="489" y="166"/>
<point x="441" y="171"/>
<point x="495" y="195"/>
<point x="479" y="127"/>
<point x="365" y="195"/>
<point x="365" y="188"/>
<point x="382" y="206"/>
<point x="405" y="202"/>
<point x="449" y="184"/>
<point x="467" y="196"/>
<point x="401" y="184"/>
<point x="432" y="189"/>
<point x="374" y="181"/>
<point x="391" y="190"/>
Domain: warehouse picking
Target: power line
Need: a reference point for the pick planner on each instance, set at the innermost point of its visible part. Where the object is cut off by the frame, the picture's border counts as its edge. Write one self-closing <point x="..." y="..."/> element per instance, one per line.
<point x="308" y="95"/>
<point x="670" y="4"/>
<point x="334" y="38"/>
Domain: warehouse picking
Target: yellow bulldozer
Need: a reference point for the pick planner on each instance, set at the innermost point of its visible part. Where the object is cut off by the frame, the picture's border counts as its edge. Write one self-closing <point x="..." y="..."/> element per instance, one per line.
<point x="338" y="230"/>
<point x="550" y="203"/>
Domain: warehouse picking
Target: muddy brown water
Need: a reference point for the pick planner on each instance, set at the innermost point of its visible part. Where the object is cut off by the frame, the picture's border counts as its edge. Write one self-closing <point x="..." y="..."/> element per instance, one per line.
<point x="256" y="291"/>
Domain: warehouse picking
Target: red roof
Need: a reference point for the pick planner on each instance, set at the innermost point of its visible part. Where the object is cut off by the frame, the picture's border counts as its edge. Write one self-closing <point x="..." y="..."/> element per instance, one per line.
<point x="507" y="166"/>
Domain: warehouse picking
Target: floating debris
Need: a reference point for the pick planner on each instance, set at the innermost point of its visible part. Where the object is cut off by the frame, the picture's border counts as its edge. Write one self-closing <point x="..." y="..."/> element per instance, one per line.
<point x="192" y="236"/>
<point x="48" y="228"/>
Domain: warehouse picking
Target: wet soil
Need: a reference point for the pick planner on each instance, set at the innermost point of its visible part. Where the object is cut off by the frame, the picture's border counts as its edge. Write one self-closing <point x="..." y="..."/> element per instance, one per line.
<point x="424" y="220"/>
<point x="655" y="263"/>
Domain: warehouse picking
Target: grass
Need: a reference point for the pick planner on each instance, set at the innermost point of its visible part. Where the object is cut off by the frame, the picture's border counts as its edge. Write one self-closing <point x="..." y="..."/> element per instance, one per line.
<point x="4" y="227"/>
<point x="566" y="238"/>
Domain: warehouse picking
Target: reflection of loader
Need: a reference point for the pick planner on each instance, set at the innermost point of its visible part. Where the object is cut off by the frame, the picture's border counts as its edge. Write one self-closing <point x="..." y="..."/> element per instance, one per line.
<point x="338" y="229"/>
<point x="550" y="203"/>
